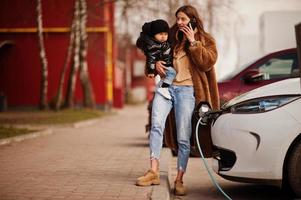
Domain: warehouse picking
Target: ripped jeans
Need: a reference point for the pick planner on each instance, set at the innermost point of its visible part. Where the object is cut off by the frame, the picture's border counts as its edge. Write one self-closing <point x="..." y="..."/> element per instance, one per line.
<point x="183" y="101"/>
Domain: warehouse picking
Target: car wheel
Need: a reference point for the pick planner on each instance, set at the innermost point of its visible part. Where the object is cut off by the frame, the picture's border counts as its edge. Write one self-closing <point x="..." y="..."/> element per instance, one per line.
<point x="294" y="170"/>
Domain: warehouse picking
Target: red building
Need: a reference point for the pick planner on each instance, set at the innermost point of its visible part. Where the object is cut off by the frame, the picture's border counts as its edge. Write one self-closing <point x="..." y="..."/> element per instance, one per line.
<point x="20" y="65"/>
<point x="136" y="86"/>
<point x="139" y="81"/>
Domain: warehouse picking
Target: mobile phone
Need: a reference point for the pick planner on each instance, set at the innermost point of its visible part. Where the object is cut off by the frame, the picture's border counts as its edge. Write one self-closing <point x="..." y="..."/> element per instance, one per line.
<point x="192" y="24"/>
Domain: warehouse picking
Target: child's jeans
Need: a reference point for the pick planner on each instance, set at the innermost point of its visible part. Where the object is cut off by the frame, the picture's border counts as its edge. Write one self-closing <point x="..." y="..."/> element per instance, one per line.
<point x="170" y="75"/>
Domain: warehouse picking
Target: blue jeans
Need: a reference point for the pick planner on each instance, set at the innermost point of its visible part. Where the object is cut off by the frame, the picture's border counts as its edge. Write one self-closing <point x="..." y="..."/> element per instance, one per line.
<point x="183" y="101"/>
<point x="170" y="75"/>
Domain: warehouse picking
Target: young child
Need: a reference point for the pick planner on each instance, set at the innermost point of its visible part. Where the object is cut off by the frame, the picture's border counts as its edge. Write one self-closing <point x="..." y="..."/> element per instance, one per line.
<point x="153" y="42"/>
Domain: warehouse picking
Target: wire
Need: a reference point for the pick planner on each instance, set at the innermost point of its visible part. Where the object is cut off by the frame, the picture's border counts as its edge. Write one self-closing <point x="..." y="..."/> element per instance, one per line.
<point x="205" y="162"/>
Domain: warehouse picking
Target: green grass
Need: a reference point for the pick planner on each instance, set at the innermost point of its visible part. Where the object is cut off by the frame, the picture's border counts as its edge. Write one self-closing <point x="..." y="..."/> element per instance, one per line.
<point x="6" y="132"/>
<point x="9" y="120"/>
<point x="48" y="117"/>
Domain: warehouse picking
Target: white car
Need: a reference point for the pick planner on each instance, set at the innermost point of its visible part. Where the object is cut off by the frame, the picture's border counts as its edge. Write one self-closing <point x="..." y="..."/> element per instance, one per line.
<point x="257" y="138"/>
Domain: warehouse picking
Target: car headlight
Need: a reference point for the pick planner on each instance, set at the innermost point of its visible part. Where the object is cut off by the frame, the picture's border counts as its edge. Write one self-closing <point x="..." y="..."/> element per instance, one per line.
<point x="262" y="104"/>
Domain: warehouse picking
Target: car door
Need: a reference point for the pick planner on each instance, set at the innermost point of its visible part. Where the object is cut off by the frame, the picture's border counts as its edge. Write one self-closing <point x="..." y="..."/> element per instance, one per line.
<point x="269" y="70"/>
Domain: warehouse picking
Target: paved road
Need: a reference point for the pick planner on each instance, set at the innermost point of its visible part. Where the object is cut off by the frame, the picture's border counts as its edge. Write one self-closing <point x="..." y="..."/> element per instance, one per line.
<point x="200" y="186"/>
<point x="99" y="161"/>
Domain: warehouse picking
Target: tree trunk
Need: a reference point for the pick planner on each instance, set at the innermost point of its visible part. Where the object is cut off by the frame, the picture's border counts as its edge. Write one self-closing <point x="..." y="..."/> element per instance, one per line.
<point x="210" y="7"/>
<point x="89" y="100"/>
<point x="75" y="66"/>
<point x="59" y="99"/>
<point x="44" y="76"/>
<point x="173" y="6"/>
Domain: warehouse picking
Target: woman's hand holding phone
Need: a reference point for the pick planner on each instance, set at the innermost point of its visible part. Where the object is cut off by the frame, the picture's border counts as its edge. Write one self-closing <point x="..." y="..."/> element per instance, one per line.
<point x="189" y="32"/>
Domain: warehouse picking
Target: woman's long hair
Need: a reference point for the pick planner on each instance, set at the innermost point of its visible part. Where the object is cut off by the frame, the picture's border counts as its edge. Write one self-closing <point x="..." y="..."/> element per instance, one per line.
<point x="192" y="13"/>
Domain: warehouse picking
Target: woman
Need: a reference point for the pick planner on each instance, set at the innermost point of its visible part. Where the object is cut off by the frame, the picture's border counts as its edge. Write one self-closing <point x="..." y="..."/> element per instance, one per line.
<point x="195" y="54"/>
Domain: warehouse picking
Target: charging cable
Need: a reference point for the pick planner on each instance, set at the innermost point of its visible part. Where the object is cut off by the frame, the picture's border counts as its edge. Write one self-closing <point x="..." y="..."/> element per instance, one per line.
<point x="205" y="162"/>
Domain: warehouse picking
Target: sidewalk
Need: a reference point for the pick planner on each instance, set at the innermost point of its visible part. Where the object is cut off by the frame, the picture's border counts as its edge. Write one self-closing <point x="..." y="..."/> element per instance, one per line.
<point x="98" y="161"/>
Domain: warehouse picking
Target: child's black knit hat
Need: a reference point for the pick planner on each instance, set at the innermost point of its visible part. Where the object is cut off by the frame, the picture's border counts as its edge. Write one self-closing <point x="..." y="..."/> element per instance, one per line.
<point x="154" y="27"/>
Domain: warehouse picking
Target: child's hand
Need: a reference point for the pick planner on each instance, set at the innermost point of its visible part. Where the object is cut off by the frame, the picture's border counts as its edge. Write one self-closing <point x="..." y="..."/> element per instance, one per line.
<point x="151" y="75"/>
<point x="161" y="68"/>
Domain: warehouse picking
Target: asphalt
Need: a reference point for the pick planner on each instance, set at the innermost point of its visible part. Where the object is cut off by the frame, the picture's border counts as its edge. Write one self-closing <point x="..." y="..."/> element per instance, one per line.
<point x="95" y="159"/>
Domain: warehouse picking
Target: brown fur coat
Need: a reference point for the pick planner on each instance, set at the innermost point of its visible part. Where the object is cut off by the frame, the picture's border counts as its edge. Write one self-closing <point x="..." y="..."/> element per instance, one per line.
<point x="202" y="56"/>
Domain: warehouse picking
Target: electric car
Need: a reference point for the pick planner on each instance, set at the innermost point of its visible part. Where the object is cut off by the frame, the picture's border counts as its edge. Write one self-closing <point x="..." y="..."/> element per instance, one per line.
<point x="257" y="136"/>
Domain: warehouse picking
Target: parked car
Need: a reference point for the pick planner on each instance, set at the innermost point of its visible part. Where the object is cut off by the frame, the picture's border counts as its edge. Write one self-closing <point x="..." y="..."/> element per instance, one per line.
<point x="257" y="136"/>
<point x="268" y="69"/>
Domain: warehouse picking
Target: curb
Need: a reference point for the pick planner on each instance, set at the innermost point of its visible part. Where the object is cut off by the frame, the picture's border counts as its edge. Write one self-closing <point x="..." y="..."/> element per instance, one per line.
<point x="26" y="136"/>
<point x="162" y="191"/>
<point x="85" y="123"/>
<point x="44" y="132"/>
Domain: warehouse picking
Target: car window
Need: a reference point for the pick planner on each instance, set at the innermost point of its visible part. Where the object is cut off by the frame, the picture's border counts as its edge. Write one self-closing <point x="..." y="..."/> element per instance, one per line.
<point x="236" y="71"/>
<point x="279" y="67"/>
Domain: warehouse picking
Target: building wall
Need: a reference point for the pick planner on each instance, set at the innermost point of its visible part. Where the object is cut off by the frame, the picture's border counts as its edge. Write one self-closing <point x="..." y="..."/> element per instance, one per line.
<point x="141" y="86"/>
<point x="20" y="66"/>
<point x="278" y="30"/>
<point x="244" y="41"/>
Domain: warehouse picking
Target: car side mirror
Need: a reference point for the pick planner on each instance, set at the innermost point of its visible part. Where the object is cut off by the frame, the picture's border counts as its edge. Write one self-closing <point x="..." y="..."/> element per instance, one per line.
<point x="253" y="76"/>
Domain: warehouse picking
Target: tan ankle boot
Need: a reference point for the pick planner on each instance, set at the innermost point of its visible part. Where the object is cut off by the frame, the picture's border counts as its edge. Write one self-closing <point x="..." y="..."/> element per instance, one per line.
<point x="149" y="178"/>
<point x="180" y="190"/>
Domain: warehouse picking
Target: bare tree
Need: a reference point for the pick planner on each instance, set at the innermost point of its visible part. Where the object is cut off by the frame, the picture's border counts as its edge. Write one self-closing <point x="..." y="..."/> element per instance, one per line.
<point x="89" y="99"/>
<point x="145" y="10"/>
<point x="215" y="15"/>
<point x="210" y="10"/>
<point x="126" y="6"/>
<point x="44" y="76"/>
<point x="74" y="68"/>
<point x="172" y="5"/>
<point x="79" y="41"/>
<point x="59" y="96"/>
